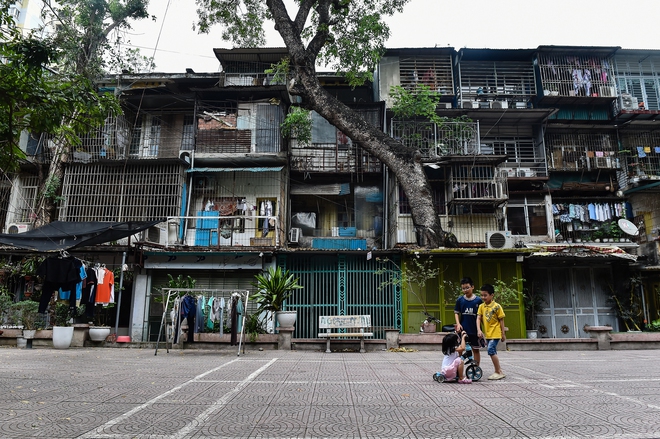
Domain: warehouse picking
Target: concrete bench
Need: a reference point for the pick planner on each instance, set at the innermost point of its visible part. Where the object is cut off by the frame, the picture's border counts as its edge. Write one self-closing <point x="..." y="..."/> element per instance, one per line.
<point x="356" y="323"/>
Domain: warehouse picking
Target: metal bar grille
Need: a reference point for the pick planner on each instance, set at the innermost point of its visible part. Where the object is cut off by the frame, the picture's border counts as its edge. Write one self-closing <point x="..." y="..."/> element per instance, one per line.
<point x="569" y="75"/>
<point x="583" y="151"/>
<point x="450" y="138"/>
<point x="433" y="71"/>
<point x="343" y="285"/>
<point x="497" y="79"/>
<point x="524" y="157"/>
<point x="117" y="193"/>
<point x="640" y="156"/>
<point x="477" y="183"/>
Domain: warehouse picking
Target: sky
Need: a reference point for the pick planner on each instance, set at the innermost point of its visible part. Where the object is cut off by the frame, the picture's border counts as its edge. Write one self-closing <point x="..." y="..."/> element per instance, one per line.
<point x="494" y="24"/>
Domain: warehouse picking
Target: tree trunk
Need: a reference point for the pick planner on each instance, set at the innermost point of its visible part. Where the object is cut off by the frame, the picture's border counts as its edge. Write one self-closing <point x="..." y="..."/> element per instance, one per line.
<point x="404" y="161"/>
<point x="46" y="209"/>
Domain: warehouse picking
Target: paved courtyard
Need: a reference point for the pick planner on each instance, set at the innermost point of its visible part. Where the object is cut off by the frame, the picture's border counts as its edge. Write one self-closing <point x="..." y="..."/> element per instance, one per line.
<point x="130" y="393"/>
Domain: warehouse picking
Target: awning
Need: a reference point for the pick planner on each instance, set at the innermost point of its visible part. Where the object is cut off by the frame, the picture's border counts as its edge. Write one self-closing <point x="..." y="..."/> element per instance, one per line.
<point x="64" y="235"/>
<point x="259" y="169"/>
<point x="579" y="251"/>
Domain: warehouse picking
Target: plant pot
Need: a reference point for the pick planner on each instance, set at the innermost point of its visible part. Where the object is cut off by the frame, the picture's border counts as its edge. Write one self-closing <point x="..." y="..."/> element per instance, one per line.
<point x="21" y="342"/>
<point x="99" y="333"/>
<point x="286" y="318"/>
<point x="62" y="336"/>
<point x="428" y="327"/>
<point x="532" y="333"/>
<point x="29" y="333"/>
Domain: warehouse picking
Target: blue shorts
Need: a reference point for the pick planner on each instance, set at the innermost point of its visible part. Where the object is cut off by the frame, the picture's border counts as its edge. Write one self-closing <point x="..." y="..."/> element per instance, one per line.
<point x="492" y="346"/>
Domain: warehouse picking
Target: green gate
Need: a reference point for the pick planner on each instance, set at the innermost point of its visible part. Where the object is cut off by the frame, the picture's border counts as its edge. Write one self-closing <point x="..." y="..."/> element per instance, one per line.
<point x="341" y="285"/>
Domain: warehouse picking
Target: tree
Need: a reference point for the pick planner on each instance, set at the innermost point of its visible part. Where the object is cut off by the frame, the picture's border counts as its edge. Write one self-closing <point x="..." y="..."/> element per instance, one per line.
<point x="349" y="35"/>
<point x="82" y="37"/>
<point x="36" y="98"/>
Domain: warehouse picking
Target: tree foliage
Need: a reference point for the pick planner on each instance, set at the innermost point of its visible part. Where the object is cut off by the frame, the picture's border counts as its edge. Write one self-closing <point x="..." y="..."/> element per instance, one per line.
<point x="91" y="35"/>
<point x="36" y="98"/>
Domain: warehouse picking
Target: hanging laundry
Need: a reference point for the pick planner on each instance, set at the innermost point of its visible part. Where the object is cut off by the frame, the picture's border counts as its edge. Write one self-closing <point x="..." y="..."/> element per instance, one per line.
<point x="105" y="289"/>
<point x="58" y="272"/>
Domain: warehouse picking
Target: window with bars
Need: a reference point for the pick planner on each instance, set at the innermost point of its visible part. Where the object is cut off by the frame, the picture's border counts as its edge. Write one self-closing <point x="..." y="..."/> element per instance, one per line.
<point x="482" y="79"/>
<point x="640" y="78"/>
<point x="27" y="199"/>
<point x="118" y="193"/>
<point x="432" y="71"/>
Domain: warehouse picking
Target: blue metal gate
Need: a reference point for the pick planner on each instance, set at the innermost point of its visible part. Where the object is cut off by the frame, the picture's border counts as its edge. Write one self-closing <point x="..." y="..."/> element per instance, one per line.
<point x="341" y="285"/>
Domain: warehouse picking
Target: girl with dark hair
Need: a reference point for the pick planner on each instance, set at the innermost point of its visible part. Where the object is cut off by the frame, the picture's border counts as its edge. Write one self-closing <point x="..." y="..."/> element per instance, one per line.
<point x="452" y="363"/>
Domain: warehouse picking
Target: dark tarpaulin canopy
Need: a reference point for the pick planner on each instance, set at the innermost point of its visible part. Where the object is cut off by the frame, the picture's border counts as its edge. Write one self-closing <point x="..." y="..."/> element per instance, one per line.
<point x="63" y="235"/>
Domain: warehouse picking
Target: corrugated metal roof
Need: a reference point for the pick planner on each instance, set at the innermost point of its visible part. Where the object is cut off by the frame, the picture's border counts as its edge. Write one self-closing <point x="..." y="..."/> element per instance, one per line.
<point x="260" y="169"/>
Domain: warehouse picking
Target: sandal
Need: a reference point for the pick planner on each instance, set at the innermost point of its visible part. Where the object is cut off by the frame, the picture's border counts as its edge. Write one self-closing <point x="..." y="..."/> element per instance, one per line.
<point x="465" y="381"/>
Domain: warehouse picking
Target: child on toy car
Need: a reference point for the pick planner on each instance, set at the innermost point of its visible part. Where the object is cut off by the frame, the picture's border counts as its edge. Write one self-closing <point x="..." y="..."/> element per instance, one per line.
<point x="452" y="363"/>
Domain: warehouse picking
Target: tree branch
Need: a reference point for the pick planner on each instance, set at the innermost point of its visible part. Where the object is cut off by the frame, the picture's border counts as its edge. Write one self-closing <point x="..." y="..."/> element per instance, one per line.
<point x="303" y="14"/>
<point x="322" y="31"/>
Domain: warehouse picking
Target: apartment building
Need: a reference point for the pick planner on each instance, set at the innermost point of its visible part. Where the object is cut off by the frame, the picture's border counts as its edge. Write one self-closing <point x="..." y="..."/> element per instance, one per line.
<point x="542" y="152"/>
<point x="550" y="166"/>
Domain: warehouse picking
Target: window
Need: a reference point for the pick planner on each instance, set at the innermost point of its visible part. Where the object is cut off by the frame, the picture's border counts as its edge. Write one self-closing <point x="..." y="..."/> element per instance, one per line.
<point x="526" y="217"/>
<point x="146" y="136"/>
<point x="188" y="136"/>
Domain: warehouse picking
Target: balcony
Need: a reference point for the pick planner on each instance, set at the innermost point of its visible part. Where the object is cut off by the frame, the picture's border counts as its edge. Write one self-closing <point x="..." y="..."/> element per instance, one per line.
<point x="582" y="152"/>
<point x="577" y="78"/>
<point x="639" y="158"/>
<point x="473" y="184"/>
<point x="213" y="231"/>
<point x="437" y="141"/>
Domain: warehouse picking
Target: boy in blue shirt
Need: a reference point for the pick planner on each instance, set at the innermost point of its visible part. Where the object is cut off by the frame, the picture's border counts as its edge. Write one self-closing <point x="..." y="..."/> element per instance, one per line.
<point x="465" y="313"/>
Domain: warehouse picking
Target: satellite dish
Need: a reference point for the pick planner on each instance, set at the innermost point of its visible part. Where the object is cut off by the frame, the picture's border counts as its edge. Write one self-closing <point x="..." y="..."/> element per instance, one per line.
<point x="628" y="227"/>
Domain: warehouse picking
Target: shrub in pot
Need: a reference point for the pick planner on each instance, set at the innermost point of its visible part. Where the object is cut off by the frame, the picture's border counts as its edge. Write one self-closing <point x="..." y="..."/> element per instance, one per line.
<point x="62" y="331"/>
<point x="274" y="287"/>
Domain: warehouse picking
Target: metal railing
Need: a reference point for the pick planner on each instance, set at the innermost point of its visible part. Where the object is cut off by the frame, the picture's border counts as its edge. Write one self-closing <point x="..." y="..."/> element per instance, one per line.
<point x="433" y="140"/>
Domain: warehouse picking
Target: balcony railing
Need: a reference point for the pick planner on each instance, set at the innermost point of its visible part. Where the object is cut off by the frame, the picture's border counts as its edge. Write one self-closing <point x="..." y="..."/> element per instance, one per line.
<point x="477" y="185"/>
<point x="582" y="152"/>
<point x="214" y="231"/>
<point x="432" y="140"/>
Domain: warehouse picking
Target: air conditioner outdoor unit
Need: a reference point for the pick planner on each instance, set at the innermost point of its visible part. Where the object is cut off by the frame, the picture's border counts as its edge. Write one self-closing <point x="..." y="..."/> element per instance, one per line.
<point x="294" y="235"/>
<point x="15" y="228"/>
<point x="486" y="104"/>
<point x="524" y="172"/>
<point x="500" y="105"/>
<point x="499" y="240"/>
<point x="628" y="102"/>
<point x="444" y="105"/>
<point x="470" y="104"/>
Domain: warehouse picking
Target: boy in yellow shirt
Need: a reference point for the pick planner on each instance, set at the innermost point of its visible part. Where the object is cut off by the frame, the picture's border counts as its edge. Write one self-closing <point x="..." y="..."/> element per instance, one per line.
<point x="492" y="316"/>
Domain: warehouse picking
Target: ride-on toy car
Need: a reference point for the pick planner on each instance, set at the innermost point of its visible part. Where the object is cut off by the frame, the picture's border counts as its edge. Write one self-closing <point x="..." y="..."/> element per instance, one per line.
<point x="472" y="369"/>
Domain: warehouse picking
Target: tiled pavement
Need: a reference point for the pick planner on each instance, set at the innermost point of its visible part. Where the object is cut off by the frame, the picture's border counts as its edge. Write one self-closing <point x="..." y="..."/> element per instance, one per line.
<point x="130" y="393"/>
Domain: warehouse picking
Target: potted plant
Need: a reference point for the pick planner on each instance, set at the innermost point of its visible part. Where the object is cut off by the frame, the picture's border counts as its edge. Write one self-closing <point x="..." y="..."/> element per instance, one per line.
<point x="274" y="287"/>
<point x="533" y="301"/>
<point x="5" y="304"/>
<point x="99" y="331"/>
<point x="25" y="313"/>
<point x="62" y="330"/>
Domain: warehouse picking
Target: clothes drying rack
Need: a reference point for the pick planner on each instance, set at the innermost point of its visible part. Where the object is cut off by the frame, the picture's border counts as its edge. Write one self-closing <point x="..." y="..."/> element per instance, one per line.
<point x="167" y="293"/>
